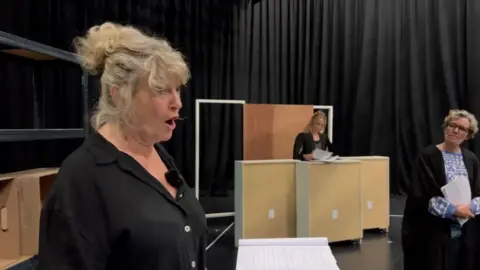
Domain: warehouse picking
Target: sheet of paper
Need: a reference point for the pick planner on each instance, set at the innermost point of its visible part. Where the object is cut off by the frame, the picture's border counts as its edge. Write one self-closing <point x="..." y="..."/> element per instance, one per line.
<point x="331" y="159"/>
<point x="457" y="192"/>
<point x="285" y="254"/>
<point x="301" y="241"/>
<point x="319" y="154"/>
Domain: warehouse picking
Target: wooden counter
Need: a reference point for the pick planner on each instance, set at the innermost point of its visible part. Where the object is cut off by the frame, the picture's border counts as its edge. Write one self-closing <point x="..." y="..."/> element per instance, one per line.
<point x="329" y="200"/>
<point x="375" y="175"/>
<point x="265" y="199"/>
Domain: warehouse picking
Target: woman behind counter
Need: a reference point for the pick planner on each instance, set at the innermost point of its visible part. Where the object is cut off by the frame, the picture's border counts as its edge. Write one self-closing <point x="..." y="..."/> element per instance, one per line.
<point x="313" y="137"/>
<point x="432" y="238"/>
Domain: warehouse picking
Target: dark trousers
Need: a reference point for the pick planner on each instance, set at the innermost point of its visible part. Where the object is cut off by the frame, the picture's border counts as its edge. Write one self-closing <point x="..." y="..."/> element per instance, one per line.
<point x="455" y="249"/>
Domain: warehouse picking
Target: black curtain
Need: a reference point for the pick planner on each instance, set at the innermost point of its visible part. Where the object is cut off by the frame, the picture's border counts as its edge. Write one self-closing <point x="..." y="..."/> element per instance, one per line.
<point x="201" y="30"/>
<point x="392" y="69"/>
<point x="472" y="47"/>
<point x="38" y="95"/>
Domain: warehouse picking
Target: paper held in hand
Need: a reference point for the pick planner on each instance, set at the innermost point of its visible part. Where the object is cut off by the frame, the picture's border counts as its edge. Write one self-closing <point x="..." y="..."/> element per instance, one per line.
<point x="458" y="192"/>
<point x="321" y="155"/>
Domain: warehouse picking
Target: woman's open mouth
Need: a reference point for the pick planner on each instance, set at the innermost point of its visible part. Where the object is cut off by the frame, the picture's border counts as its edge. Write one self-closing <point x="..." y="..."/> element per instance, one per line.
<point x="171" y="124"/>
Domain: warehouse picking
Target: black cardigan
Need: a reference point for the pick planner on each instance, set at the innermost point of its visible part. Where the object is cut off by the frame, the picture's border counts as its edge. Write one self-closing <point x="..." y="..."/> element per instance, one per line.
<point x="426" y="237"/>
<point x="304" y="144"/>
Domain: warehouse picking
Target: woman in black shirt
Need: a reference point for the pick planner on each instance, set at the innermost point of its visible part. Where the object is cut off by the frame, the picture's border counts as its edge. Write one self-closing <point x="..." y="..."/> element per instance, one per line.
<point x="312" y="137"/>
<point x="119" y="202"/>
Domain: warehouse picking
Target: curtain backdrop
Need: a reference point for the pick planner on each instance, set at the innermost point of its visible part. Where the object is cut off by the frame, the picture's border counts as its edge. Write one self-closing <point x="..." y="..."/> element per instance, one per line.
<point x="391" y="68"/>
<point x="202" y="30"/>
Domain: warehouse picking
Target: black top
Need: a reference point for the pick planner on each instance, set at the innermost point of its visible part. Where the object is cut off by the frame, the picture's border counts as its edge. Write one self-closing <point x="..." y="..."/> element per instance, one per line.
<point x="304" y="144"/>
<point x="425" y="237"/>
<point x="105" y="211"/>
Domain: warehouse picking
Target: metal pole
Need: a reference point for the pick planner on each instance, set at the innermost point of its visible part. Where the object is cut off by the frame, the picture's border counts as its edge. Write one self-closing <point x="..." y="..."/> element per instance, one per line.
<point x="86" y="111"/>
<point x="197" y="149"/>
<point x="220" y="236"/>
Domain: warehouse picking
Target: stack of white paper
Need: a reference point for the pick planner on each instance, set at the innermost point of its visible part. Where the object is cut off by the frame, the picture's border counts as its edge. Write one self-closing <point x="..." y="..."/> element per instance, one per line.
<point x="285" y="254"/>
<point x="319" y="154"/>
<point x="458" y="192"/>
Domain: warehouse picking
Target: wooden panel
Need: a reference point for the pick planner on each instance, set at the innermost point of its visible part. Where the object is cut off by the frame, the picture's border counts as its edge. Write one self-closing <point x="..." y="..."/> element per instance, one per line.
<point x="335" y="208"/>
<point x="257" y="131"/>
<point x="288" y="121"/>
<point x="269" y="130"/>
<point x="267" y="212"/>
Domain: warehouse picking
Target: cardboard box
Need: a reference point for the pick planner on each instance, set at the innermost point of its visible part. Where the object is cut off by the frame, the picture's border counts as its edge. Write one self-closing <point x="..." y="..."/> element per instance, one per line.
<point x="6" y="263"/>
<point x="10" y="263"/>
<point x="21" y="197"/>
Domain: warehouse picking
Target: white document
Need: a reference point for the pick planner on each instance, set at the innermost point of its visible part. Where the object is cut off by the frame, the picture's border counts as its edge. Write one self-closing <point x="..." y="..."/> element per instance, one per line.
<point x="285" y="254"/>
<point x="330" y="159"/>
<point x="321" y="155"/>
<point x="458" y="192"/>
<point x="301" y="241"/>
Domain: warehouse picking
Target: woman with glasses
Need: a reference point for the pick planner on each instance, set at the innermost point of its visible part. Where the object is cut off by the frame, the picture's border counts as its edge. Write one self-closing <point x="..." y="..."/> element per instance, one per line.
<point x="312" y="137"/>
<point x="432" y="237"/>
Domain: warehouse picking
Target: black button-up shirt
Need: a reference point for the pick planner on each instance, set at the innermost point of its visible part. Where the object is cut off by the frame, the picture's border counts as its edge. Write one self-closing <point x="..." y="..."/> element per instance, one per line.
<point x="105" y="211"/>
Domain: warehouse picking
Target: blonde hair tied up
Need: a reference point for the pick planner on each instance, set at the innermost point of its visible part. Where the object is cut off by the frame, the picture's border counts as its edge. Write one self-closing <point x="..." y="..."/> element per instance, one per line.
<point x="121" y="55"/>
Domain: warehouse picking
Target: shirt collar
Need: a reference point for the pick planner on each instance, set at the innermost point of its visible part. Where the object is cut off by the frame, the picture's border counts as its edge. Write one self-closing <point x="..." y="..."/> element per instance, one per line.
<point x="106" y="153"/>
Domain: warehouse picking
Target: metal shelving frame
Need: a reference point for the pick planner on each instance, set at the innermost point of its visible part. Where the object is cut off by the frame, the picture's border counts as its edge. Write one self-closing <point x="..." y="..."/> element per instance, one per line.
<point x="11" y="135"/>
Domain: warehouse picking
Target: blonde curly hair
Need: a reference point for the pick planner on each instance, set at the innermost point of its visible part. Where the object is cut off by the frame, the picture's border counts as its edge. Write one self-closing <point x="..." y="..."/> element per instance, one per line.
<point x="122" y="55"/>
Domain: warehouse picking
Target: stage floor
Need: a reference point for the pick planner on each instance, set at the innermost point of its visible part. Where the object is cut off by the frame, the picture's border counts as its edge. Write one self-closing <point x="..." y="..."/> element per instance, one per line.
<point x="379" y="251"/>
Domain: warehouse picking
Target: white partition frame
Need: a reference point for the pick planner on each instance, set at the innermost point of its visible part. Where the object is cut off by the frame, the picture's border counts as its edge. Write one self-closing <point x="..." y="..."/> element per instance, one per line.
<point x="330" y="118"/>
<point x="198" y="102"/>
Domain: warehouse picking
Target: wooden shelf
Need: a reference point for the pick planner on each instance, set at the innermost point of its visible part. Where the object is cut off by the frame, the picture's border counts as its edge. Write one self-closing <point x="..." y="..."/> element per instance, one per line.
<point x="23" y="47"/>
<point x="28" y="54"/>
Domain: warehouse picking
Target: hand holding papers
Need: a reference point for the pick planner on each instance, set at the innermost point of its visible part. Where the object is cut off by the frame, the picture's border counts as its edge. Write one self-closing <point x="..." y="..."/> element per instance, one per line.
<point x="322" y="155"/>
<point x="458" y="192"/>
<point x="285" y="254"/>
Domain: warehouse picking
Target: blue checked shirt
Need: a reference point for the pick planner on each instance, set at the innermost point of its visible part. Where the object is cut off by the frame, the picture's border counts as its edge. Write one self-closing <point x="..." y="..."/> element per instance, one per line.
<point x="441" y="207"/>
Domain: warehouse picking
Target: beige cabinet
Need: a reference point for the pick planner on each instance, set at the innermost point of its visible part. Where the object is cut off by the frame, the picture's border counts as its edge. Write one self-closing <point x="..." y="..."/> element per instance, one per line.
<point x="329" y="200"/>
<point x="375" y="177"/>
<point x="265" y="199"/>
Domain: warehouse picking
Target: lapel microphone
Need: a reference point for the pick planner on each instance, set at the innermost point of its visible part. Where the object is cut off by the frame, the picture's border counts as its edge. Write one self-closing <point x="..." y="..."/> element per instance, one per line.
<point x="173" y="178"/>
